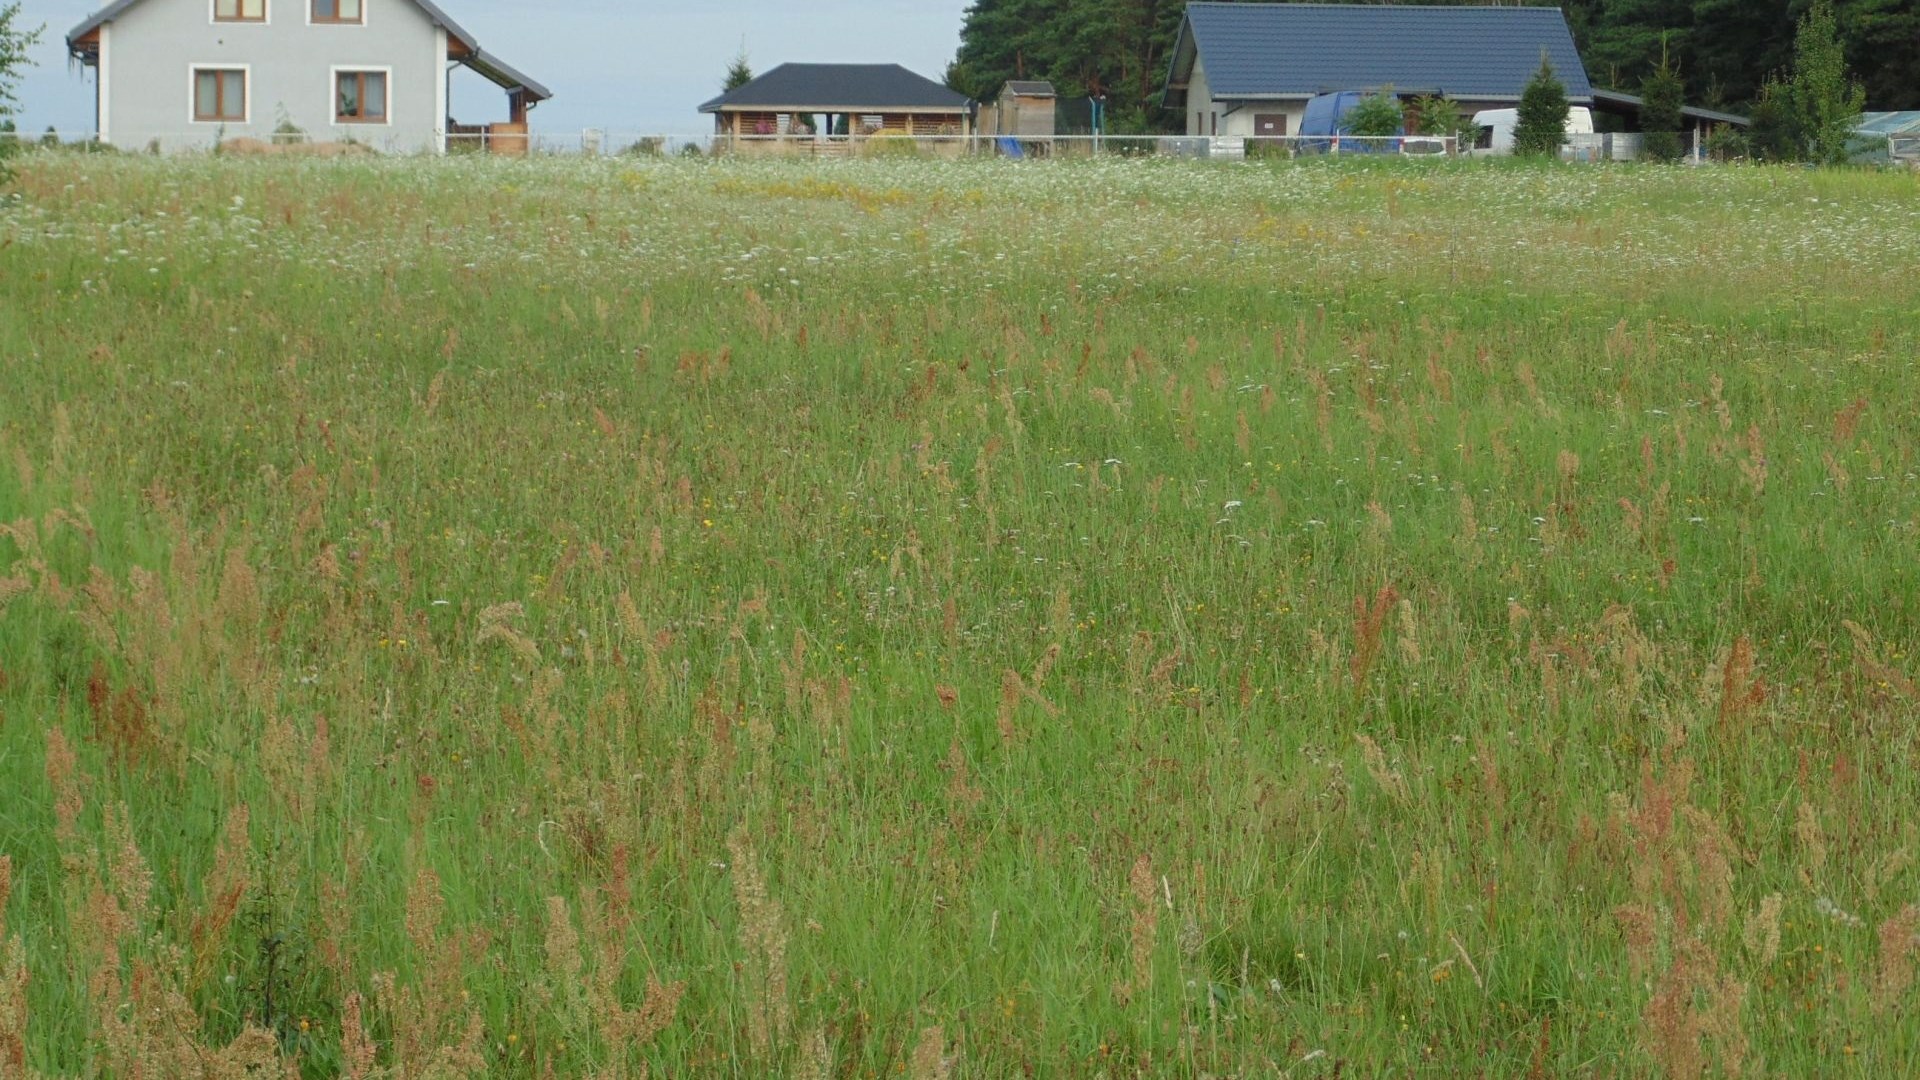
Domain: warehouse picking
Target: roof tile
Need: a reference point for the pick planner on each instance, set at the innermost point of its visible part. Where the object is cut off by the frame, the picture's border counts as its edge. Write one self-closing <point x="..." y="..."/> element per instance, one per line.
<point x="1252" y="50"/>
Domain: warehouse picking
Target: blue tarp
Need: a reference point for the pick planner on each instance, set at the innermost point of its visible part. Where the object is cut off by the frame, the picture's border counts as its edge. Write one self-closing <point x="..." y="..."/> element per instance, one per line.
<point x="1326" y="115"/>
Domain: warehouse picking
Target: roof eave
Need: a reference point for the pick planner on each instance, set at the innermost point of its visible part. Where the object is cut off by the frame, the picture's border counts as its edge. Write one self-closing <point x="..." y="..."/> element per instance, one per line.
<point x="505" y="76"/>
<point x="94" y="22"/>
<point x="112" y="11"/>
<point x="715" y="106"/>
<point x="454" y="30"/>
<point x="1173" y="66"/>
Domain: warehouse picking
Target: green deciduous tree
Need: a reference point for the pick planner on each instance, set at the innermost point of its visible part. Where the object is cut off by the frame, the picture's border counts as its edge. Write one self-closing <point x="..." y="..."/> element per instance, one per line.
<point x="15" y="40"/>
<point x="1542" y="125"/>
<point x="1827" y="102"/>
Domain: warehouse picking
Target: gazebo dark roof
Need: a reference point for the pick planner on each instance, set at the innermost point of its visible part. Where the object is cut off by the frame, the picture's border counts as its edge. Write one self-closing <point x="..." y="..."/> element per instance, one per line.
<point x="840" y="87"/>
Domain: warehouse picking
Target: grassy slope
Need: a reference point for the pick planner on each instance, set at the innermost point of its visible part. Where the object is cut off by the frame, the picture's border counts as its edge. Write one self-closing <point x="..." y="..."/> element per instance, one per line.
<point x="775" y="458"/>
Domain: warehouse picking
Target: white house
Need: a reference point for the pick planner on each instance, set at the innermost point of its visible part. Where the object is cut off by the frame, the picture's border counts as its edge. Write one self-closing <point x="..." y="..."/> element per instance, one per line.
<point x="1241" y="69"/>
<point x="181" y="74"/>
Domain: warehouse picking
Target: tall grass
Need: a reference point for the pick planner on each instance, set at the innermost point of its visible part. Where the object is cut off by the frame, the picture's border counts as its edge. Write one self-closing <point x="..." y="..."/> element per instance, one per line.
<point x="956" y="619"/>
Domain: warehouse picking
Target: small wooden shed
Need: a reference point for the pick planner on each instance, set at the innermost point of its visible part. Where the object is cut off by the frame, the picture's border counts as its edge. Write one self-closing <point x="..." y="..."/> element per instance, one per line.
<point x="1023" y="110"/>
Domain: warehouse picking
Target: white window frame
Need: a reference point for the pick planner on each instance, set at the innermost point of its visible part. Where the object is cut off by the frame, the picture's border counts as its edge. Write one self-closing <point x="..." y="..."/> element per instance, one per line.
<point x="333" y="94"/>
<point x="365" y="17"/>
<point x="266" y="19"/>
<point x="246" y="95"/>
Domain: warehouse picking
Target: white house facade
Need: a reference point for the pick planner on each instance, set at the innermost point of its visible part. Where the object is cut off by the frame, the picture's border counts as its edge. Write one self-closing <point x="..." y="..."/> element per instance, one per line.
<point x="185" y="74"/>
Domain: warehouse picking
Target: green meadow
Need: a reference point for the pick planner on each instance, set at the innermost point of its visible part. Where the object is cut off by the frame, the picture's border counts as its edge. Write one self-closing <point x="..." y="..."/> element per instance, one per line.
<point x="885" y="618"/>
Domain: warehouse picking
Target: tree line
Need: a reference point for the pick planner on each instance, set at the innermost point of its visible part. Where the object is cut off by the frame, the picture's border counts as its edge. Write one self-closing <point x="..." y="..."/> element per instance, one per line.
<point x="1725" y="53"/>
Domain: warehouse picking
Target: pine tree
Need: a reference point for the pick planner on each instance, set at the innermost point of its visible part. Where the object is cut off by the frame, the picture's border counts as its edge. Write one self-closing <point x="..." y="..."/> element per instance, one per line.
<point x="1826" y="102"/>
<point x="1542" y="126"/>
<point x="1663" y="97"/>
<point x="1883" y="38"/>
<point x="1774" y="136"/>
<point x="739" y="73"/>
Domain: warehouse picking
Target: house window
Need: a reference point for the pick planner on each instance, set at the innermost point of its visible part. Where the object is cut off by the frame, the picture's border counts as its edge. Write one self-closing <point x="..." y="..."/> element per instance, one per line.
<point x="220" y="95"/>
<point x="339" y="11"/>
<point x="360" y="97"/>
<point x="239" y="10"/>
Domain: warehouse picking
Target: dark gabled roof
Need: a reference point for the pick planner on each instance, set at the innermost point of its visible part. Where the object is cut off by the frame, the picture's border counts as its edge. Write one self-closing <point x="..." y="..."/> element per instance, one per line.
<point x="1287" y="50"/>
<point x="1030" y="87"/>
<point x="486" y="64"/>
<point x="839" y="86"/>
<point x="498" y="72"/>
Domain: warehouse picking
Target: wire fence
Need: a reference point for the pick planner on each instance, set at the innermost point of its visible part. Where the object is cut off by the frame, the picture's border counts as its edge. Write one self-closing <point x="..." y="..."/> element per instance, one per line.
<point x="512" y="141"/>
<point x="596" y="142"/>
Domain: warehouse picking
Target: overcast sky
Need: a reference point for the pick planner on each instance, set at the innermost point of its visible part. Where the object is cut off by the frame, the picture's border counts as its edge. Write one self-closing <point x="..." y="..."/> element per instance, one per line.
<point x="643" y="66"/>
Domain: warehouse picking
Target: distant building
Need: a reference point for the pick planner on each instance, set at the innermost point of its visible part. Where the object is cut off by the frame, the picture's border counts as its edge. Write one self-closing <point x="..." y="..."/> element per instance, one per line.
<point x="178" y="74"/>
<point x="1244" y="69"/>
<point x="840" y="108"/>
<point x="1024" y="110"/>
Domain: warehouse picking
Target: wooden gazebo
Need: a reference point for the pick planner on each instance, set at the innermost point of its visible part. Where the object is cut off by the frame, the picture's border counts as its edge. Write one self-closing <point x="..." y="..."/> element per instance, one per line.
<point x="838" y="108"/>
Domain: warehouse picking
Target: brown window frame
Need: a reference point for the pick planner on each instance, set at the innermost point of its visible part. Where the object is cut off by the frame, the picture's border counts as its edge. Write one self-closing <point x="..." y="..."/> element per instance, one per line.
<point x="220" y="115"/>
<point x="240" y="6"/>
<point x="386" y="96"/>
<point x="317" y="19"/>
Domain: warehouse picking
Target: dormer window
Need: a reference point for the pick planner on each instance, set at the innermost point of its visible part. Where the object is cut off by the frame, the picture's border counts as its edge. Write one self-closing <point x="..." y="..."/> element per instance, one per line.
<point x="340" y="12"/>
<point x="240" y="11"/>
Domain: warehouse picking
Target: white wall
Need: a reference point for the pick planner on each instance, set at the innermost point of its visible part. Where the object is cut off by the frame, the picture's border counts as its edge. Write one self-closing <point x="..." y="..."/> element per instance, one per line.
<point x="290" y="65"/>
<point x="1207" y="116"/>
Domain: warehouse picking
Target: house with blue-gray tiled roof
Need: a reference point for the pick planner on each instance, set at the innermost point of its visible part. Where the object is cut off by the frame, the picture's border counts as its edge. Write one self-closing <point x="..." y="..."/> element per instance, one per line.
<point x="1248" y="69"/>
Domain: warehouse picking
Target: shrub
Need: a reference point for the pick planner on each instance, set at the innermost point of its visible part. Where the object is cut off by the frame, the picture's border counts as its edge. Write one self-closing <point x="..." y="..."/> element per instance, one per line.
<point x="1727" y="143"/>
<point x="1441" y="116"/>
<point x="891" y="144"/>
<point x="286" y="132"/>
<point x="1377" y="115"/>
